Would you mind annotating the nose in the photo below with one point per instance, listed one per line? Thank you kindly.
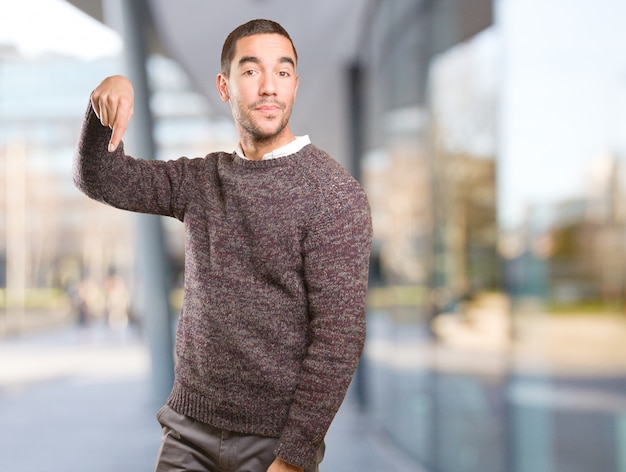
(267, 85)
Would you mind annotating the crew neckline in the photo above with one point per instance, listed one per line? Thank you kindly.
(288, 149)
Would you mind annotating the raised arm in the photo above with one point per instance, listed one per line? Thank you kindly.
(113, 101)
(104, 172)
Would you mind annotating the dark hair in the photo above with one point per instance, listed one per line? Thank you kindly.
(250, 28)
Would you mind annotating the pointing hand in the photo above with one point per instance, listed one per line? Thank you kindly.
(113, 101)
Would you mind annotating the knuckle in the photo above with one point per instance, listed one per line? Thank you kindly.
(125, 101)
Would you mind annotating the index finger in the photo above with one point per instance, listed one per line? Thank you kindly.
(119, 127)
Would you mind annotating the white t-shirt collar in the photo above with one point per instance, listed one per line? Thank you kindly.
(286, 150)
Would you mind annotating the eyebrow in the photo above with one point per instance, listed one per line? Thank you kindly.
(256, 60)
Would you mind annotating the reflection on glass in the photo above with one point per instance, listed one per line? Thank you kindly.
(497, 319)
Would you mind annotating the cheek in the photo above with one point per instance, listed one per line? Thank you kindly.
(289, 91)
(238, 106)
(238, 95)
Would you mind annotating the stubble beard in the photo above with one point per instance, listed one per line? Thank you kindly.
(254, 131)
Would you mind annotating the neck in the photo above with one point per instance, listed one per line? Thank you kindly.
(255, 149)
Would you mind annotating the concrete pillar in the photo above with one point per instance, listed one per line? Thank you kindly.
(127, 17)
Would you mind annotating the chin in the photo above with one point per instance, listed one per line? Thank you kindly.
(268, 134)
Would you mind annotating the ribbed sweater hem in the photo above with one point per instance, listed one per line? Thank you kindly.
(191, 403)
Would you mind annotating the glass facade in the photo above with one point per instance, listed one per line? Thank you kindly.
(494, 167)
(54, 242)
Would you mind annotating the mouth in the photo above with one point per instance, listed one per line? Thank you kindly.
(267, 107)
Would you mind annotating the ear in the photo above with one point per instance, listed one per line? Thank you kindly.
(222, 87)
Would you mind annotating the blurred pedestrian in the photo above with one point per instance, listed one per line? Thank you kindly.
(77, 294)
(278, 235)
(117, 302)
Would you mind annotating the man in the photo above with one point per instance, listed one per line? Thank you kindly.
(276, 258)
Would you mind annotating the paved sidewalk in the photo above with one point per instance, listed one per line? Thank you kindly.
(76, 401)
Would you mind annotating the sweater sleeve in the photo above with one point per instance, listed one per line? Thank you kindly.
(336, 262)
(140, 185)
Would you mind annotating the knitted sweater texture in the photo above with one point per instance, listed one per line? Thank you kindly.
(272, 322)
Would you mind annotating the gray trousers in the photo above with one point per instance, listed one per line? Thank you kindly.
(191, 446)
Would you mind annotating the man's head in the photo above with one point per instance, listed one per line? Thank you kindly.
(259, 80)
(248, 29)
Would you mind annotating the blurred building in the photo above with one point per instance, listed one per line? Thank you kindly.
(498, 241)
(52, 236)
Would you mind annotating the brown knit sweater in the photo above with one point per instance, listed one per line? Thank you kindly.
(276, 259)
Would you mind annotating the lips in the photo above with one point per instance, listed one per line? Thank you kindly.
(267, 107)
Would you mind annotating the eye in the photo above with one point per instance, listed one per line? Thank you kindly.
(250, 72)
(284, 73)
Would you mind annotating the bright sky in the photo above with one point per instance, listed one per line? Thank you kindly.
(36, 27)
(563, 97)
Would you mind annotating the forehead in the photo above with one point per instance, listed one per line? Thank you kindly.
(267, 47)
